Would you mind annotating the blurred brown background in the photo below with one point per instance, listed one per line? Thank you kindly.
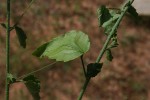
(127, 77)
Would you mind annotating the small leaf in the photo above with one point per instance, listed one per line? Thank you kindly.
(107, 18)
(65, 47)
(110, 23)
(103, 15)
(113, 44)
(109, 55)
(11, 78)
(93, 69)
(114, 11)
(21, 36)
(132, 11)
(3, 25)
(33, 85)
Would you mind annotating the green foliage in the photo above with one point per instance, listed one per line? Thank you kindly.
(69, 46)
(103, 15)
(3, 25)
(109, 55)
(33, 85)
(39, 51)
(132, 11)
(11, 78)
(21, 36)
(65, 47)
(93, 69)
(114, 43)
(107, 18)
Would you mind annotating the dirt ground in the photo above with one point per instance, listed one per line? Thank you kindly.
(127, 77)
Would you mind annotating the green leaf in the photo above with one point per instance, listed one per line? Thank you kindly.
(65, 47)
(33, 85)
(21, 36)
(103, 15)
(132, 11)
(109, 55)
(110, 23)
(3, 25)
(114, 11)
(113, 44)
(11, 78)
(93, 69)
(107, 18)
(39, 51)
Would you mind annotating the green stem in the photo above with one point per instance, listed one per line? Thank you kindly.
(113, 31)
(7, 49)
(83, 66)
(24, 13)
(35, 71)
(83, 89)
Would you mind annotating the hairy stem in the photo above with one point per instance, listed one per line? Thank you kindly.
(113, 31)
(7, 50)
